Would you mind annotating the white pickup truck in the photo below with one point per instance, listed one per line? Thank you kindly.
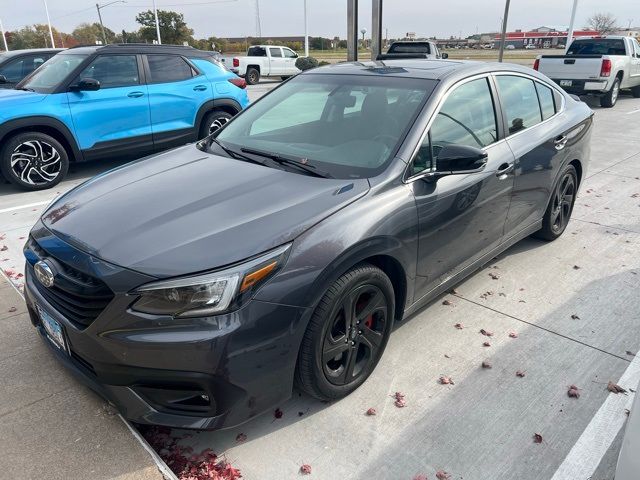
(265, 61)
(598, 66)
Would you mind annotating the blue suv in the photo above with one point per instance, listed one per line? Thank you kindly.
(122, 101)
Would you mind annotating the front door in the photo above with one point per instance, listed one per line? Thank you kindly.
(115, 118)
(277, 61)
(461, 217)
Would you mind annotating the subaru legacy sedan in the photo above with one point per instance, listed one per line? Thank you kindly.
(196, 288)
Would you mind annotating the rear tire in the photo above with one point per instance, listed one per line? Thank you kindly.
(558, 213)
(347, 334)
(252, 76)
(609, 99)
(33, 161)
(213, 122)
(635, 91)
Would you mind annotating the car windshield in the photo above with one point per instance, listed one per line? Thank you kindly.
(599, 46)
(54, 71)
(348, 126)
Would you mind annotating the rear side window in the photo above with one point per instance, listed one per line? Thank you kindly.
(547, 106)
(168, 68)
(520, 102)
(113, 71)
(275, 52)
(256, 52)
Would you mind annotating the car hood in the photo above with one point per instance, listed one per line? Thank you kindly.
(10, 97)
(186, 211)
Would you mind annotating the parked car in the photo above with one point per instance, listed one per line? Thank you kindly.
(265, 61)
(510, 47)
(596, 66)
(17, 64)
(123, 101)
(410, 49)
(530, 46)
(283, 248)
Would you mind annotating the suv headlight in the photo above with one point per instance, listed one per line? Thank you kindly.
(209, 293)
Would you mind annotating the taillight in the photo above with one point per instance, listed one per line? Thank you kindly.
(238, 82)
(236, 62)
(536, 64)
(605, 70)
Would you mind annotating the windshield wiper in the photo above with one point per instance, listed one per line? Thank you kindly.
(26, 89)
(276, 157)
(236, 155)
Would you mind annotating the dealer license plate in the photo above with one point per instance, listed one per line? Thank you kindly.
(53, 329)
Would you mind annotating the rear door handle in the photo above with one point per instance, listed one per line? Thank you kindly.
(135, 94)
(504, 169)
(200, 88)
(560, 141)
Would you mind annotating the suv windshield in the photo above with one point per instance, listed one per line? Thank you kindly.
(348, 126)
(52, 73)
(597, 46)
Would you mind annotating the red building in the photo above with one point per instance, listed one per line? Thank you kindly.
(542, 37)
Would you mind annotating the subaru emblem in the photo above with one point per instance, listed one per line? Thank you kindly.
(44, 273)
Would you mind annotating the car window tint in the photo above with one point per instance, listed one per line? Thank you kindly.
(600, 46)
(289, 53)
(467, 117)
(256, 52)
(113, 71)
(545, 95)
(13, 70)
(275, 52)
(520, 102)
(168, 68)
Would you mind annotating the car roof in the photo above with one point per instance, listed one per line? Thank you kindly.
(421, 68)
(15, 53)
(140, 48)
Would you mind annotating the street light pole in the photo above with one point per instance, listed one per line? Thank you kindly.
(104, 35)
(155, 13)
(306, 34)
(4, 39)
(46, 8)
(503, 35)
(570, 32)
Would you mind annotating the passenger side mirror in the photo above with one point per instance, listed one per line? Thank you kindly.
(445, 55)
(460, 159)
(86, 84)
(3, 79)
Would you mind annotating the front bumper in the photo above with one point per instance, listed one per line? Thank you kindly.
(204, 373)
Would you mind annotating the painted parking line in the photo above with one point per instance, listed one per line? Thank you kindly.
(634, 111)
(587, 453)
(28, 205)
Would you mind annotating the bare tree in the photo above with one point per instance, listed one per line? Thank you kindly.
(605, 23)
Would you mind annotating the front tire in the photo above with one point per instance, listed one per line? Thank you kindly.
(558, 213)
(609, 99)
(34, 161)
(347, 333)
(252, 76)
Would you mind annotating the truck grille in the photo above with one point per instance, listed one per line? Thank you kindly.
(77, 296)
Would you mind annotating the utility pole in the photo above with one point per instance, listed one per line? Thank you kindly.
(155, 13)
(376, 29)
(4, 39)
(352, 30)
(306, 32)
(46, 8)
(503, 35)
(570, 32)
(258, 23)
(104, 35)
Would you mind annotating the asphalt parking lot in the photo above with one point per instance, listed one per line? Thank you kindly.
(563, 313)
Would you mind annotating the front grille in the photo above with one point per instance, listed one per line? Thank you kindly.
(77, 296)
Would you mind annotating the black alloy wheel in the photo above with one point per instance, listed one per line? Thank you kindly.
(558, 213)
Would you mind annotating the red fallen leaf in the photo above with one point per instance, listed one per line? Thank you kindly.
(420, 477)
(537, 438)
(400, 401)
(486, 333)
(305, 469)
(494, 276)
(521, 289)
(630, 353)
(520, 373)
(615, 388)
(576, 267)
(446, 356)
(12, 309)
(3, 236)
(486, 344)
(5, 259)
(371, 411)
(575, 317)
(447, 302)
(573, 392)
(278, 413)
(241, 437)
(459, 326)
(522, 301)
(21, 238)
(4, 248)
(442, 475)
(513, 335)
(487, 364)
(444, 380)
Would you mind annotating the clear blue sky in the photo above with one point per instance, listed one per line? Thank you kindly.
(226, 18)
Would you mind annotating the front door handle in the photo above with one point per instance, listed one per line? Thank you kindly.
(135, 94)
(504, 169)
(200, 88)
(560, 142)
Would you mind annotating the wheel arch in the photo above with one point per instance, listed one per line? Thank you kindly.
(577, 164)
(225, 104)
(48, 126)
(256, 66)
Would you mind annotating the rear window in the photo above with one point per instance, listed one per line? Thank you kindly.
(597, 46)
(410, 48)
(256, 52)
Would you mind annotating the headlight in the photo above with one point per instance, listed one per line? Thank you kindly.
(210, 293)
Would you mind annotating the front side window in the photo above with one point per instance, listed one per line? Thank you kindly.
(13, 70)
(168, 68)
(545, 95)
(346, 125)
(113, 71)
(289, 53)
(520, 102)
(53, 72)
(467, 117)
(275, 52)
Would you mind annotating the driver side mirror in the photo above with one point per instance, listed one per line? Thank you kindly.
(459, 160)
(86, 84)
(3, 79)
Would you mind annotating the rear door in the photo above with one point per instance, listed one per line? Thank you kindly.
(176, 92)
(277, 60)
(115, 118)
